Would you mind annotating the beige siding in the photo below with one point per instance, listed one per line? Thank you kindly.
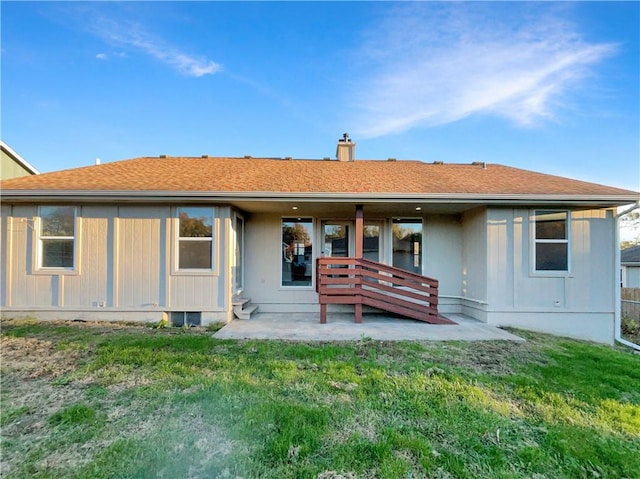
(474, 255)
(443, 257)
(124, 265)
(91, 286)
(195, 292)
(263, 265)
(141, 248)
(27, 289)
(5, 253)
(579, 303)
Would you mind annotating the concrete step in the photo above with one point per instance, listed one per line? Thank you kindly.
(240, 300)
(245, 311)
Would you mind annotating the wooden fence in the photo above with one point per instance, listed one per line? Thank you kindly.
(631, 303)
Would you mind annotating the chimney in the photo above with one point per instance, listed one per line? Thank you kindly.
(346, 150)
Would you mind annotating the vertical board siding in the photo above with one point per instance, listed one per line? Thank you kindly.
(514, 284)
(195, 293)
(443, 252)
(500, 256)
(124, 258)
(141, 254)
(6, 223)
(27, 289)
(90, 287)
(474, 255)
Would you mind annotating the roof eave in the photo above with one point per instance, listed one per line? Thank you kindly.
(162, 196)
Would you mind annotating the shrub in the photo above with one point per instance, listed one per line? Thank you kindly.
(630, 326)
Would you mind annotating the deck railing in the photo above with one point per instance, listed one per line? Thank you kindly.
(360, 281)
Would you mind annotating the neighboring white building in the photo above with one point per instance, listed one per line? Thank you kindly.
(134, 239)
(630, 264)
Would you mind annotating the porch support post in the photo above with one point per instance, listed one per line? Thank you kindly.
(359, 231)
(358, 252)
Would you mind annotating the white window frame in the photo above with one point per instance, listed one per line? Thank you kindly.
(213, 270)
(38, 244)
(314, 253)
(535, 241)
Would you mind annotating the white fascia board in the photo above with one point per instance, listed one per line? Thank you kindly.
(160, 196)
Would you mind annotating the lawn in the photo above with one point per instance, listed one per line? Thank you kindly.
(122, 401)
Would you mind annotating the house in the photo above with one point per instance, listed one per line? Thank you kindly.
(12, 165)
(630, 267)
(189, 237)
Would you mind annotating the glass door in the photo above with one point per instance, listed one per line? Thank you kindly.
(336, 239)
(371, 241)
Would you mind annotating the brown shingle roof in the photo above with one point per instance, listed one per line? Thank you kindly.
(245, 175)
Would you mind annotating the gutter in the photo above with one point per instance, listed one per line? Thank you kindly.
(311, 197)
(618, 294)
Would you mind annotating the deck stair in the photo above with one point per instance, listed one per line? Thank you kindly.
(360, 281)
(242, 307)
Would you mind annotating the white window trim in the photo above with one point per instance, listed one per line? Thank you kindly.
(215, 227)
(313, 256)
(36, 257)
(534, 241)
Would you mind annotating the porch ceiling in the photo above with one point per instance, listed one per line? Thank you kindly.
(347, 209)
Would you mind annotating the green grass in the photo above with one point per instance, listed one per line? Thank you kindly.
(100, 401)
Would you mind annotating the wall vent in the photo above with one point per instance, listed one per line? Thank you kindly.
(186, 318)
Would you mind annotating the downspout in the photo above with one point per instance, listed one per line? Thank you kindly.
(618, 296)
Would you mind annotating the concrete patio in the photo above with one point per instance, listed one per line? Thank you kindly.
(340, 327)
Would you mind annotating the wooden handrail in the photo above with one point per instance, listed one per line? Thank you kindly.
(360, 281)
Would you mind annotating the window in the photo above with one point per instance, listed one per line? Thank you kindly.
(297, 252)
(195, 238)
(407, 244)
(551, 232)
(57, 237)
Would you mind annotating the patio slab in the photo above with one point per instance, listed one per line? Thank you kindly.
(341, 327)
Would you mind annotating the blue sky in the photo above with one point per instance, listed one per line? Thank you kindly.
(551, 87)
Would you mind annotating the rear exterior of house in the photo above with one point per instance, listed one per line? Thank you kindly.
(138, 239)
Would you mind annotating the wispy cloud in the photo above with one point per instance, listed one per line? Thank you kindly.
(127, 34)
(430, 64)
